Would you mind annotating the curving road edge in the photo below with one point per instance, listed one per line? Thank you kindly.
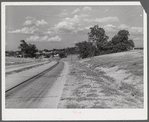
(54, 95)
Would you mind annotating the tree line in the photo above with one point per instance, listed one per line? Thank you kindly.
(29, 50)
(98, 43)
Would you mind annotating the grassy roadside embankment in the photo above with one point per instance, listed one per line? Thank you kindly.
(107, 81)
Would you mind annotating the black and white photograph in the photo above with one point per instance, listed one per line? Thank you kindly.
(74, 60)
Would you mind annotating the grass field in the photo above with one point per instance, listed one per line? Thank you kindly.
(107, 81)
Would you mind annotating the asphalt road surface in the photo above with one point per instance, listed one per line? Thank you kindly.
(37, 93)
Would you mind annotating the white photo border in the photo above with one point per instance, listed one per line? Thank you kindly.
(69, 114)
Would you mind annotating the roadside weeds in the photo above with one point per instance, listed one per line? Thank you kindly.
(110, 86)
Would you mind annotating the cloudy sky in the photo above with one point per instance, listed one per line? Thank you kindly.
(61, 26)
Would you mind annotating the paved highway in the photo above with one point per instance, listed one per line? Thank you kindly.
(43, 92)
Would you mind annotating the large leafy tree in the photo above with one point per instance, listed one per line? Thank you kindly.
(28, 50)
(85, 49)
(122, 42)
(97, 39)
(98, 43)
(97, 36)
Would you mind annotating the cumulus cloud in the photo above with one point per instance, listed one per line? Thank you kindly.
(75, 19)
(123, 26)
(83, 30)
(68, 24)
(71, 24)
(33, 38)
(110, 28)
(76, 11)
(28, 22)
(109, 25)
(132, 30)
(51, 31)
(44, 38)
(136, 30)
(56, 38)
(88, 27)
(32, 26)
(65, 25)
(33, 21)
(41, 22)
(25, 30)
